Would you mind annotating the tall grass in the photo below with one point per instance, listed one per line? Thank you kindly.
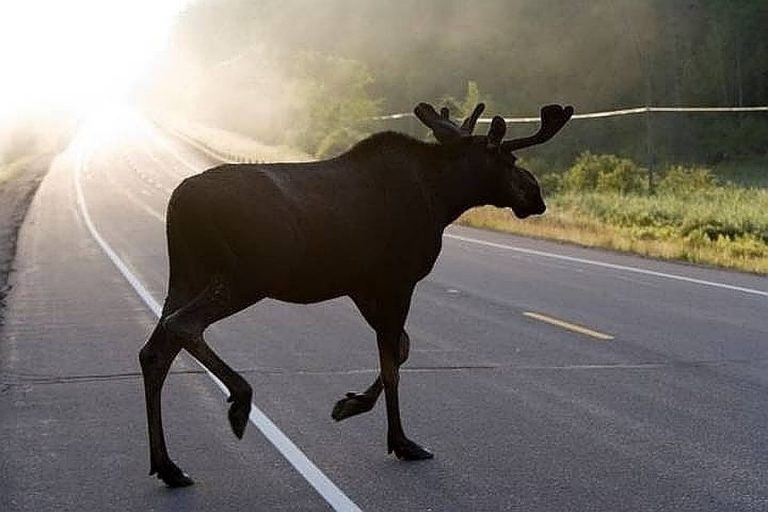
(725, 226)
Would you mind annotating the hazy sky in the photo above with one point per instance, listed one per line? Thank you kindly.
(77, 54)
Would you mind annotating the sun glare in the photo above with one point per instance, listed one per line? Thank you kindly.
(78, 55)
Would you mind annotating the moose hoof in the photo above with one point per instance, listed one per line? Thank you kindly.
(408, 450)
(351, 405)
(173, 476)
(238, 415)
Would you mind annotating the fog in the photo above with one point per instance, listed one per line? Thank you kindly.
(312, 74)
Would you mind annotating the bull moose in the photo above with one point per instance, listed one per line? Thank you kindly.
(367, 224)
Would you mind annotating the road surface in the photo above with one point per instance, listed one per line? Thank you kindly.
(543, 376)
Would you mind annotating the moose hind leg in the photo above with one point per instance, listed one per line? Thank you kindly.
(357, 403)
(155, 359)
(189, 322)
(239, 389)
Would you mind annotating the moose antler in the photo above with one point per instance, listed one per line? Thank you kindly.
(441, 125)
(553, 118)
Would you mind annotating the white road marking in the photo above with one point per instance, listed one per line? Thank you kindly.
(334, 496)
(613, 266)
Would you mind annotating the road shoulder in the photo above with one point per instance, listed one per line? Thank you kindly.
(16, 194)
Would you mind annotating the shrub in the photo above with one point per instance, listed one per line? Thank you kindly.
(462, 108)
(336, 106)
(604, 173)
(583, 175)
(686, 180)
(625, 178)
(550, 183)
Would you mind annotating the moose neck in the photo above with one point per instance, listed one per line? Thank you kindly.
(450, 182)
(456, 184)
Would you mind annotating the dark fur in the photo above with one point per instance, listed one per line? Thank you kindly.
(367, 224)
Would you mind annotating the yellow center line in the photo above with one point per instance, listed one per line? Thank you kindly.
(568, 325)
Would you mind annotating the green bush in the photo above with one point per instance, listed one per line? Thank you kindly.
(551, 183)
(686, 180)
(336, 103)
(604, 173)
(460, 109)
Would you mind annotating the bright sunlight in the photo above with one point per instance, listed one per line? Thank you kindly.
(80, 55)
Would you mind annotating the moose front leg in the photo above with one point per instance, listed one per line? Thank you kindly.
(386, 313)
(358, 403)
(388, 320)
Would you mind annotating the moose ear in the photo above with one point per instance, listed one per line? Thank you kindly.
(497, 131)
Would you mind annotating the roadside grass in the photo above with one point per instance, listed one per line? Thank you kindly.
(11, 170)
(724, 226)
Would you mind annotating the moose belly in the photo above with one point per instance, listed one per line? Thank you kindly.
(316, 279)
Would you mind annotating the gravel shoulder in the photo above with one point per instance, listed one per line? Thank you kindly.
(16, 192)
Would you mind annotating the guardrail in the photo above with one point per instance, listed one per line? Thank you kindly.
(597, 115)
(228, 147)
(224, 156)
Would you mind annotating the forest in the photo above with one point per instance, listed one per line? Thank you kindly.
(312, 75)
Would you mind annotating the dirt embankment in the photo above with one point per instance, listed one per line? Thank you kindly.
(16, 192)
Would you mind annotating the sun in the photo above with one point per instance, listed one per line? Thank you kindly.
(78, 55)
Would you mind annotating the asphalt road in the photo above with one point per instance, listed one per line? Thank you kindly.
(658, 402)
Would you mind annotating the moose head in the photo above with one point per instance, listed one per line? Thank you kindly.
(513, 186)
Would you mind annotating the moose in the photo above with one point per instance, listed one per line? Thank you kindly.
(367, 224)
